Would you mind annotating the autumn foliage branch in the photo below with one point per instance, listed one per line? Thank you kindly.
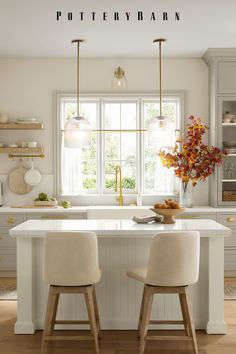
(190, 158)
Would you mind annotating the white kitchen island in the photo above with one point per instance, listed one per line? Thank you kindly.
(122, 245)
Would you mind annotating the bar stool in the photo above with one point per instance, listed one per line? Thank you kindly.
(173, 266)
(71, 267)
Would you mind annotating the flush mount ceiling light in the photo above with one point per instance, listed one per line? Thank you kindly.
(158, 124)
(77, 130)
(119, 81)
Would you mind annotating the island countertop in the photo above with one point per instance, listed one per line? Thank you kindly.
(118, 227)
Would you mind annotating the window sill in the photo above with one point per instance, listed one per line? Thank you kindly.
(110, 199)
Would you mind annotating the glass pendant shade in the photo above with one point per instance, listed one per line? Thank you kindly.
(119, 82)
(157, 131)
(77, 133)
(77, 130)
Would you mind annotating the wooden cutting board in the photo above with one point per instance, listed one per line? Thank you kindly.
(16, 181)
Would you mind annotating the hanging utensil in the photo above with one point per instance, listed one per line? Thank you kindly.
(32, 177)
(16, 182)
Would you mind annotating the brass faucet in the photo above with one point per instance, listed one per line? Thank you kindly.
(120, 198)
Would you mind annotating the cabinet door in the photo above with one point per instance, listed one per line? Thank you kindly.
(7, 261)
(11, 220)
(227, 77)
(7, 242)
(189, 215)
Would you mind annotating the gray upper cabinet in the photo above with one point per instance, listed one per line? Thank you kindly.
(226, 77)
(222, 107)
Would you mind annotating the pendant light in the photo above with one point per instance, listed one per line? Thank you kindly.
(119, 82)
(158, 125)
(77, 130)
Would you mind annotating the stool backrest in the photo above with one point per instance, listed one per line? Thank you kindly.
(71, 259)
(174, 259)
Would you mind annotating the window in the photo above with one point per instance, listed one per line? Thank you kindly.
(91, 171)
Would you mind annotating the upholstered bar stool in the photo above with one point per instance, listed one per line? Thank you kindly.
(71, 266)
(173, 266)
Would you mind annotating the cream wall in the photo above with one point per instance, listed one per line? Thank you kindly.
(27, 87)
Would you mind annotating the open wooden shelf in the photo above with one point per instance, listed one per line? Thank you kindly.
(20, 150)
(16, 126)
(228, 180)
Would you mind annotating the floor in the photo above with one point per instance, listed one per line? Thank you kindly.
(113, 342)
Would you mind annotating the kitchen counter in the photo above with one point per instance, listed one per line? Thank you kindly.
(75, 209)
(122, 245)
(85, 209)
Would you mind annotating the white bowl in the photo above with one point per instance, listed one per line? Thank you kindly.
(32, 144)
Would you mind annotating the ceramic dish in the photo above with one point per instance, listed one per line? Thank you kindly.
(230, 144)
(13, 145)
(168, 214)
(229, 116)
(26, 119)
(32, 144)
(27, 122)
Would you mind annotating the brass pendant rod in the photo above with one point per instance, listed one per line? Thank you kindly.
(78, 79)
(160, 78)
(78, 41)
(160, 41)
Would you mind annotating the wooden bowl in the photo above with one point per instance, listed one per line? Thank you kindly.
(168, 214)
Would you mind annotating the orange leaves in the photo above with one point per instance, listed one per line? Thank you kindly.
(191, 159)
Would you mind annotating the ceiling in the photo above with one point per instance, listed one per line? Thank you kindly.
(28, 28)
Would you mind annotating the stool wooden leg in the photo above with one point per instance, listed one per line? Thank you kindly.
(190, 320)
(141, 313)
(50, 317)
(92, 318)
(96, 312)
(183, 309)
(147, 307)
(55, 306)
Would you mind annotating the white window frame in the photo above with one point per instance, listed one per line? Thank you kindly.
(109, 197)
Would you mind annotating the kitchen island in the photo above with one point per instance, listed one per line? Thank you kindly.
(122, 245)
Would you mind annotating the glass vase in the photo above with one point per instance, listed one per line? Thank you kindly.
(186, 195)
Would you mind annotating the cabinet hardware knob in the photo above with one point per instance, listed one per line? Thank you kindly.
(230, 219)
(11, 221)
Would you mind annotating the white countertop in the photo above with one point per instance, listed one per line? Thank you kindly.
(74, 209)
(84, 209)
(121, 227)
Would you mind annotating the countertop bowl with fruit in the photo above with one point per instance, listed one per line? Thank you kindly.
(44, 201)
(169, 209)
